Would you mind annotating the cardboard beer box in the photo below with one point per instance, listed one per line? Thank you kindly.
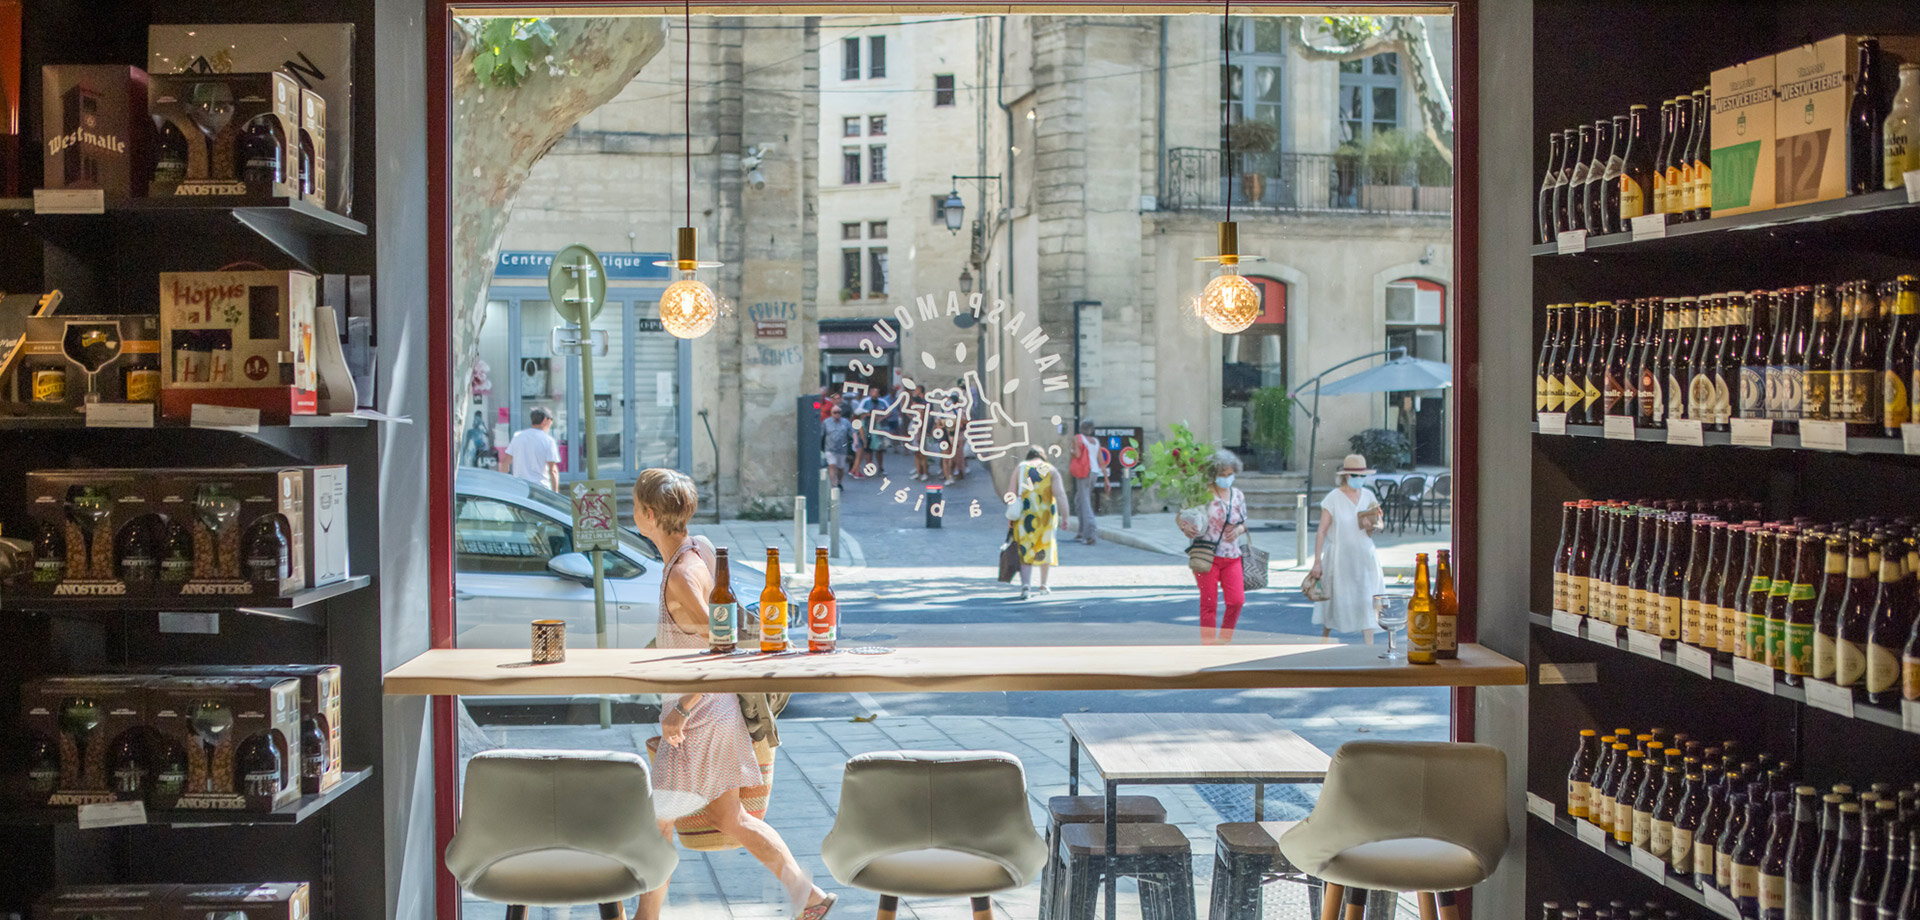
(326, 525)
(320, 763)
(108, 902)
(1742, 133)
(67, 362)
(241, 736)
(313, 147)
(105, 533)
(239, 133)
(239, 339)
(1810, 115)
(14, 310)
(94, 129)
(247, 527)
(243, 901)
(86, 739)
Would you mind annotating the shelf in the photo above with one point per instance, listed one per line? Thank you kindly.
(1863, 712)
(1852, 214)
(300, 607)
(305, 807)
(1781, 441)
(289, 224)
(79, 423)
(1621, 855)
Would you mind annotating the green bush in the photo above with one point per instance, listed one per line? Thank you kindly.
(1272, 412)
(1179, 468)
(1384, 448)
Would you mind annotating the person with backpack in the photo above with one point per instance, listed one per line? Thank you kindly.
(1086, 458)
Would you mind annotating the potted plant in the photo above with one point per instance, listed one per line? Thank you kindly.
(1391, 158)
(1180, 469)
(1246, 141)
(1385, 448)
(1272, 412)
(849, 294)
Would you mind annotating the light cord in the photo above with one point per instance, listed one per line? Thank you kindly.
(686, 100)
(1226, 137)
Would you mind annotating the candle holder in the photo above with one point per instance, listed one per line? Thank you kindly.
(549, 641)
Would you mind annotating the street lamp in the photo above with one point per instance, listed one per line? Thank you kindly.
(955, 211)
(966, 280)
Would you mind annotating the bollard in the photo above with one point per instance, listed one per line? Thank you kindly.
(833, 508)
(821, 497)
(1126, 499)
(799, 530)
(1300, 529)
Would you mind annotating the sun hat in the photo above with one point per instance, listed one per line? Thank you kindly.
(1355, 465)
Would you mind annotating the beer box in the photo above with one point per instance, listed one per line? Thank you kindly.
(95, 132)
(313, 147)
(1741, 127)
(320, 766)
(109, 532)
(239, 132)
(225, 563)
(241, 339)
(108, 902)
(1810, 115)
(73, 726)
(68, 361)
(243, 901)
(326, 525)
(241, 735)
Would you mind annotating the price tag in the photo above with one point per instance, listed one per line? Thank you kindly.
(1643, 643)
(1753, 674)
(1650, 227)
(112, 814)
(1648, 864)
(1910, 715)
(1830, 697)
(1695, 659)
(1685, 431)
(1910, 438)
(1823, 435)
(193, 624)
(69, 201)
(1577, 673)
(1720, 904)
(1539, 807)
(1619, 427)
(1571, 242)
(225, 418)
(1913, 185)
(1753, 432)
(1590, 834)
(1567, 623)
(120, 415)
(1553, 423)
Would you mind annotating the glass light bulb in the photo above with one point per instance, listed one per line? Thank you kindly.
(688, 308)
(1230, 303)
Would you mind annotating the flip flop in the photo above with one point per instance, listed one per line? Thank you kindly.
(818, 910)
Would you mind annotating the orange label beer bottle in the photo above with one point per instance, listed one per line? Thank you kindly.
(823, 614)
(773, 608)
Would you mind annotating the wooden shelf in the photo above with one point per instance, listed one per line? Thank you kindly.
(1781, 441)
(305, 807)
(506, 672)
(300, 607)
(1623, 856)
(1854, 214)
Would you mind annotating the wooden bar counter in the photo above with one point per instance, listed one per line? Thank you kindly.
(507, 672)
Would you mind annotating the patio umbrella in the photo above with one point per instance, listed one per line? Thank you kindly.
(1401, 373)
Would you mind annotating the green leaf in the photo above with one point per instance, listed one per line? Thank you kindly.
(517, 57)
(483, 64)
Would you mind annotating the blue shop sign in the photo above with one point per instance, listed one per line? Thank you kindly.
(621, 266)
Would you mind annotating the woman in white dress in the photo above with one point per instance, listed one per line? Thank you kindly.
(1343, 556)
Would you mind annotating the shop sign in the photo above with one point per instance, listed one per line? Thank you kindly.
(770, 329)
(621, 266)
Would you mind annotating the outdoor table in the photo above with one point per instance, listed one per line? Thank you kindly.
(1183, 749)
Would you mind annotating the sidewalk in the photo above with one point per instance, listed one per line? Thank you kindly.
(1160, 534)
(752, 539)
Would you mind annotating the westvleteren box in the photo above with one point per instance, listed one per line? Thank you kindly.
(320, 760)
(94, 129)
(86, 739)
(240, 339)
(241, 735)
(1810, 117)
(67, 362)
(1743, 137)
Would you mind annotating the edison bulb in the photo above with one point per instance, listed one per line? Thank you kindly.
(1230, 303)
(688, 307)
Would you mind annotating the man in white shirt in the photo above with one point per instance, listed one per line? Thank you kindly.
(532, 455)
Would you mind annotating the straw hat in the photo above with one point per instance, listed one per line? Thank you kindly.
(1355, 465)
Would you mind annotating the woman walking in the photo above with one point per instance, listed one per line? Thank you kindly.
(1036, 486)
(706, 754)
(1343, 556)
(1226, 522)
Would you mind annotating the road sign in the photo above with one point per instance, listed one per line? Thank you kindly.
(577, 284)
(596, 519)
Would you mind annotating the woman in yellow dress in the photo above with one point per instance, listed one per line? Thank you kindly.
(1036, 486)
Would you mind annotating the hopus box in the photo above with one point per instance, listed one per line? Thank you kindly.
(1815, 85)
(240, 339)
(1742, 130)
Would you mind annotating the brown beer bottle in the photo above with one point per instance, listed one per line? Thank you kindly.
(1420, 614)
(1850, 647)
(773, 608)
(1887, 629)
(723, 610)
(823, 612)
(1822, 347)
(1580, 774)
(1826, 611)
(1903, 335)
(1446, 611)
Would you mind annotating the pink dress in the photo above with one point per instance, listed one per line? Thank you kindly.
(717, 753)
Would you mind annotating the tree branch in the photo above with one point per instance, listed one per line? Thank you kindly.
(1407, 37)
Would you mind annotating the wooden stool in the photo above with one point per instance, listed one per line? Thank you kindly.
(1157, 855)
(1086, 809)
(1246, 856)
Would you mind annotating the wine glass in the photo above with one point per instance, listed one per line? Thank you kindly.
(211, 720)
(79, 716)
(216, 508)
(1390, 611)
(88, 506)
(92, 346)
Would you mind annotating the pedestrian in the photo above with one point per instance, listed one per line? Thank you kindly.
(864, 418)
(927, 435)
(533, 455)
(1086, 460)
(1225, 522)
(836, 436)
(706, 751)
(1343, 553)
(1036, 486)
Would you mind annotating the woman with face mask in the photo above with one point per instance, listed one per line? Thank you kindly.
(1226, 522)
(1343, 556)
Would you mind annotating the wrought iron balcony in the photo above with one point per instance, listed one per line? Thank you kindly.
(1197, 180)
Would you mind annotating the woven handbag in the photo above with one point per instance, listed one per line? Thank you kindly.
(1253, 565)
(697, 831)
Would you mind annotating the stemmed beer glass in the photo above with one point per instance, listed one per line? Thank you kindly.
(1390, 611)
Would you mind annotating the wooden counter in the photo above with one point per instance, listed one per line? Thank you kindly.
(506, 672)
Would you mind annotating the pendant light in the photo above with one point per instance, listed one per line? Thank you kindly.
(688, 308)
(1230, 303)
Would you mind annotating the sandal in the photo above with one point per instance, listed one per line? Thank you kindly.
(818, 909)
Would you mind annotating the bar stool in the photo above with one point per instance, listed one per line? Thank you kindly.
(1157, 855)
(1429, 817)
(1086, 809)
(558, 828)
(934, 824)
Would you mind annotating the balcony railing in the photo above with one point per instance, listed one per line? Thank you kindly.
(1197, 180)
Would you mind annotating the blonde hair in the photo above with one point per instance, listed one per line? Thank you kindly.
(669, 496)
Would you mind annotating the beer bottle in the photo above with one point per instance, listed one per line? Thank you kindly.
(1636, 177)
(49, 553)
(1617, 396)
(1773, 859)
(1594, 362)
(1563, 556)
(1663, 159)
(1830, 820)
(1693, 583)
(1867, 351)
(177, 553)
(137, 552)
(1563, 183)
(823, 612)
(127, 767)
(1632, 776)
(1822, 353)
(1719, 543)
(1702, 155)
(1727, 843)
(1802, 599)
(1856, 613)
(1779, 597)
(773, 608)
(1910, 664)
(1762, 310)
(723, 610)
(1642, 590)
(1863, 897)
(1579, 565)
(1601, 601)
(1865, 119)
(1572, 374)
(1623, 566)
(261, 148)
(1903, 336)
(1600, 795)
(1557, 358)
(1680, 366)
(1420, 613)
(1594, 195)
(1673, 580)
(1653, 412)
(1888, 626)
(1446, 610)
(1900, 132)
(1543, 206)
(1706, 838)
(1686, 820)
(1752, 644)
(1705, 362)
(1793, 400)
(1736, 316)
(1580, 775)
(1893, 884)
(1826, 614)
(1801, 846)
(1662, 364)
(1609, 193)
(1733, 589)
(1575, 205)
(259, 771)
(1666, 807)
(1680, 167)
(314, 754)
(1909, 906)
(1542, 364)
(169, 774)
(1645, 798)
(1748, 853)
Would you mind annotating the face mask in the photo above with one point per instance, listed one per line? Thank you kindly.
(1224, 482)
(1356, 481)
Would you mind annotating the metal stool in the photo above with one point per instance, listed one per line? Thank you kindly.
(1086, 809)
(1157, 855)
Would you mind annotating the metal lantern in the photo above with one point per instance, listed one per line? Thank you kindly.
(1230, 303)
(954, 210)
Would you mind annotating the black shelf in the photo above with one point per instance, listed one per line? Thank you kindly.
(1855, 445)
(1858, 212)
(305, 807)
(300, 607)
(289, 224)
(1862, 712)
(79, 423)
(1621, 855)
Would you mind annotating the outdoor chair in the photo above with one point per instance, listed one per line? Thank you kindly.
(1410, 495)
(1439, 499)
(559, 828)
(1420, 816)
(1157, 856)
(1388, 491)
(934, 824)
